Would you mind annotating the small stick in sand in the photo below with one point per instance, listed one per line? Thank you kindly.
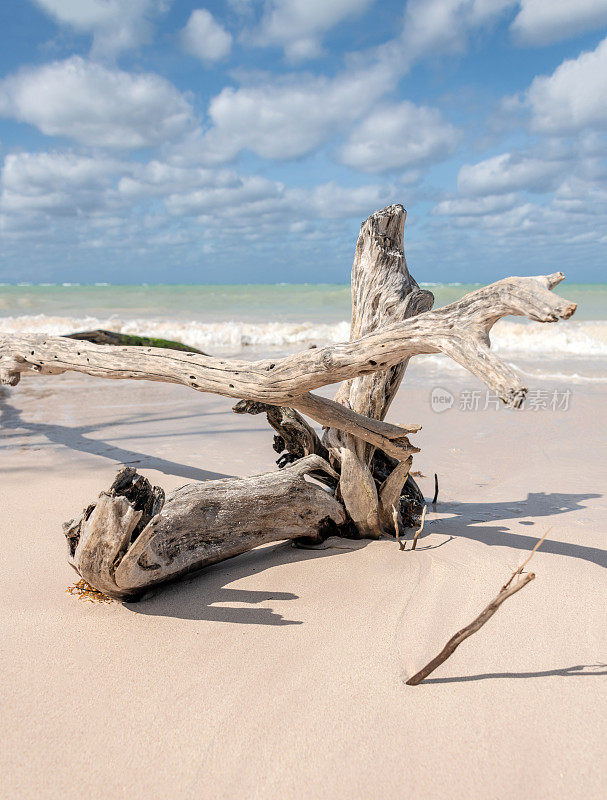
(505, 592)
(526, 561)
(396, 518)
(419, 530)
(435, 498)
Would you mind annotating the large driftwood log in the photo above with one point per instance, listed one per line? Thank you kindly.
(130, 538)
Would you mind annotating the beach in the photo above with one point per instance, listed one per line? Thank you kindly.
(281, 673)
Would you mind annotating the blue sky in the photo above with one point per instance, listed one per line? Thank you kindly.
(245, 141)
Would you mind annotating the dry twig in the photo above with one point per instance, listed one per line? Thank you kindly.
(419, 530)
(396, 518)
(526, 561)
(505, 592)
(435, 498)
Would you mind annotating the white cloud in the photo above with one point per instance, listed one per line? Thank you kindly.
(331, 201)
(401, 135)
(543, 21)
(478, 206)
(58, 184)
(509, 172)
(114, 24)
(298, 25)
(289, 118)
(246, 196)
(579, 196)
(205, 38)
(574, 97)
(253, 197)
(108, 194)
(432, 26)
(158, 179)
(95, 105)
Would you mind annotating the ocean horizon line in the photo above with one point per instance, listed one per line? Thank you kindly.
(106, 284)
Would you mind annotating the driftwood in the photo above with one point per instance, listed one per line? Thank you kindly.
(454, 642)
(127, 541)
(131, 538)
(383, 293)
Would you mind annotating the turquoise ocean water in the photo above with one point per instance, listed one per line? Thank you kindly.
(234, 318)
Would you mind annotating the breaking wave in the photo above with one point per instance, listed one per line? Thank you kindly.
(232, 335)
(587, 338)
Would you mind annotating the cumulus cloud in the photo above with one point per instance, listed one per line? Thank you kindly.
(298, 25)
(115, 25)
(509, 172)
(255, 197)
(58, 184)
(246, 196)
(95, 105)
(432, 26)
(402, 135)
(107, 194)
(478, 206)
(159, 178)
(331, 201)
(204, 38)
(289, 118)
(544, 21)
(574, 97)
(578, 195)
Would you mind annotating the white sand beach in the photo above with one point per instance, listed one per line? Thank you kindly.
(281, 673)
(204, 205)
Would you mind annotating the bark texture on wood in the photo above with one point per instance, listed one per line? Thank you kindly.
(120, 552)
(383, 292)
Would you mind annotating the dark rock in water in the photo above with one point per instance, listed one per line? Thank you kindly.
(111, 337)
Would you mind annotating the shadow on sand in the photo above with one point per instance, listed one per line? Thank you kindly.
(12, 423)
(465, 518)
(197, 597)
(203, 595)
(577, 671)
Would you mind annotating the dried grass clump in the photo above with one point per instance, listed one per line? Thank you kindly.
(84, 591)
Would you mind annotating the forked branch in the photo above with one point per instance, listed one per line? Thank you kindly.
(460, 330)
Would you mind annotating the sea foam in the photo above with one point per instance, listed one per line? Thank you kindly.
(586, 338)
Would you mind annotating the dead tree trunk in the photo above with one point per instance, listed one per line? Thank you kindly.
(383, 292)
(131, 538)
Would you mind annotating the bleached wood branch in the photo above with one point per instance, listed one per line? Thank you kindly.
(383, 292)
(131, 539)
(460, 330)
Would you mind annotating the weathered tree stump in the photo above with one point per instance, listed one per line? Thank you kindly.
(350, 482)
